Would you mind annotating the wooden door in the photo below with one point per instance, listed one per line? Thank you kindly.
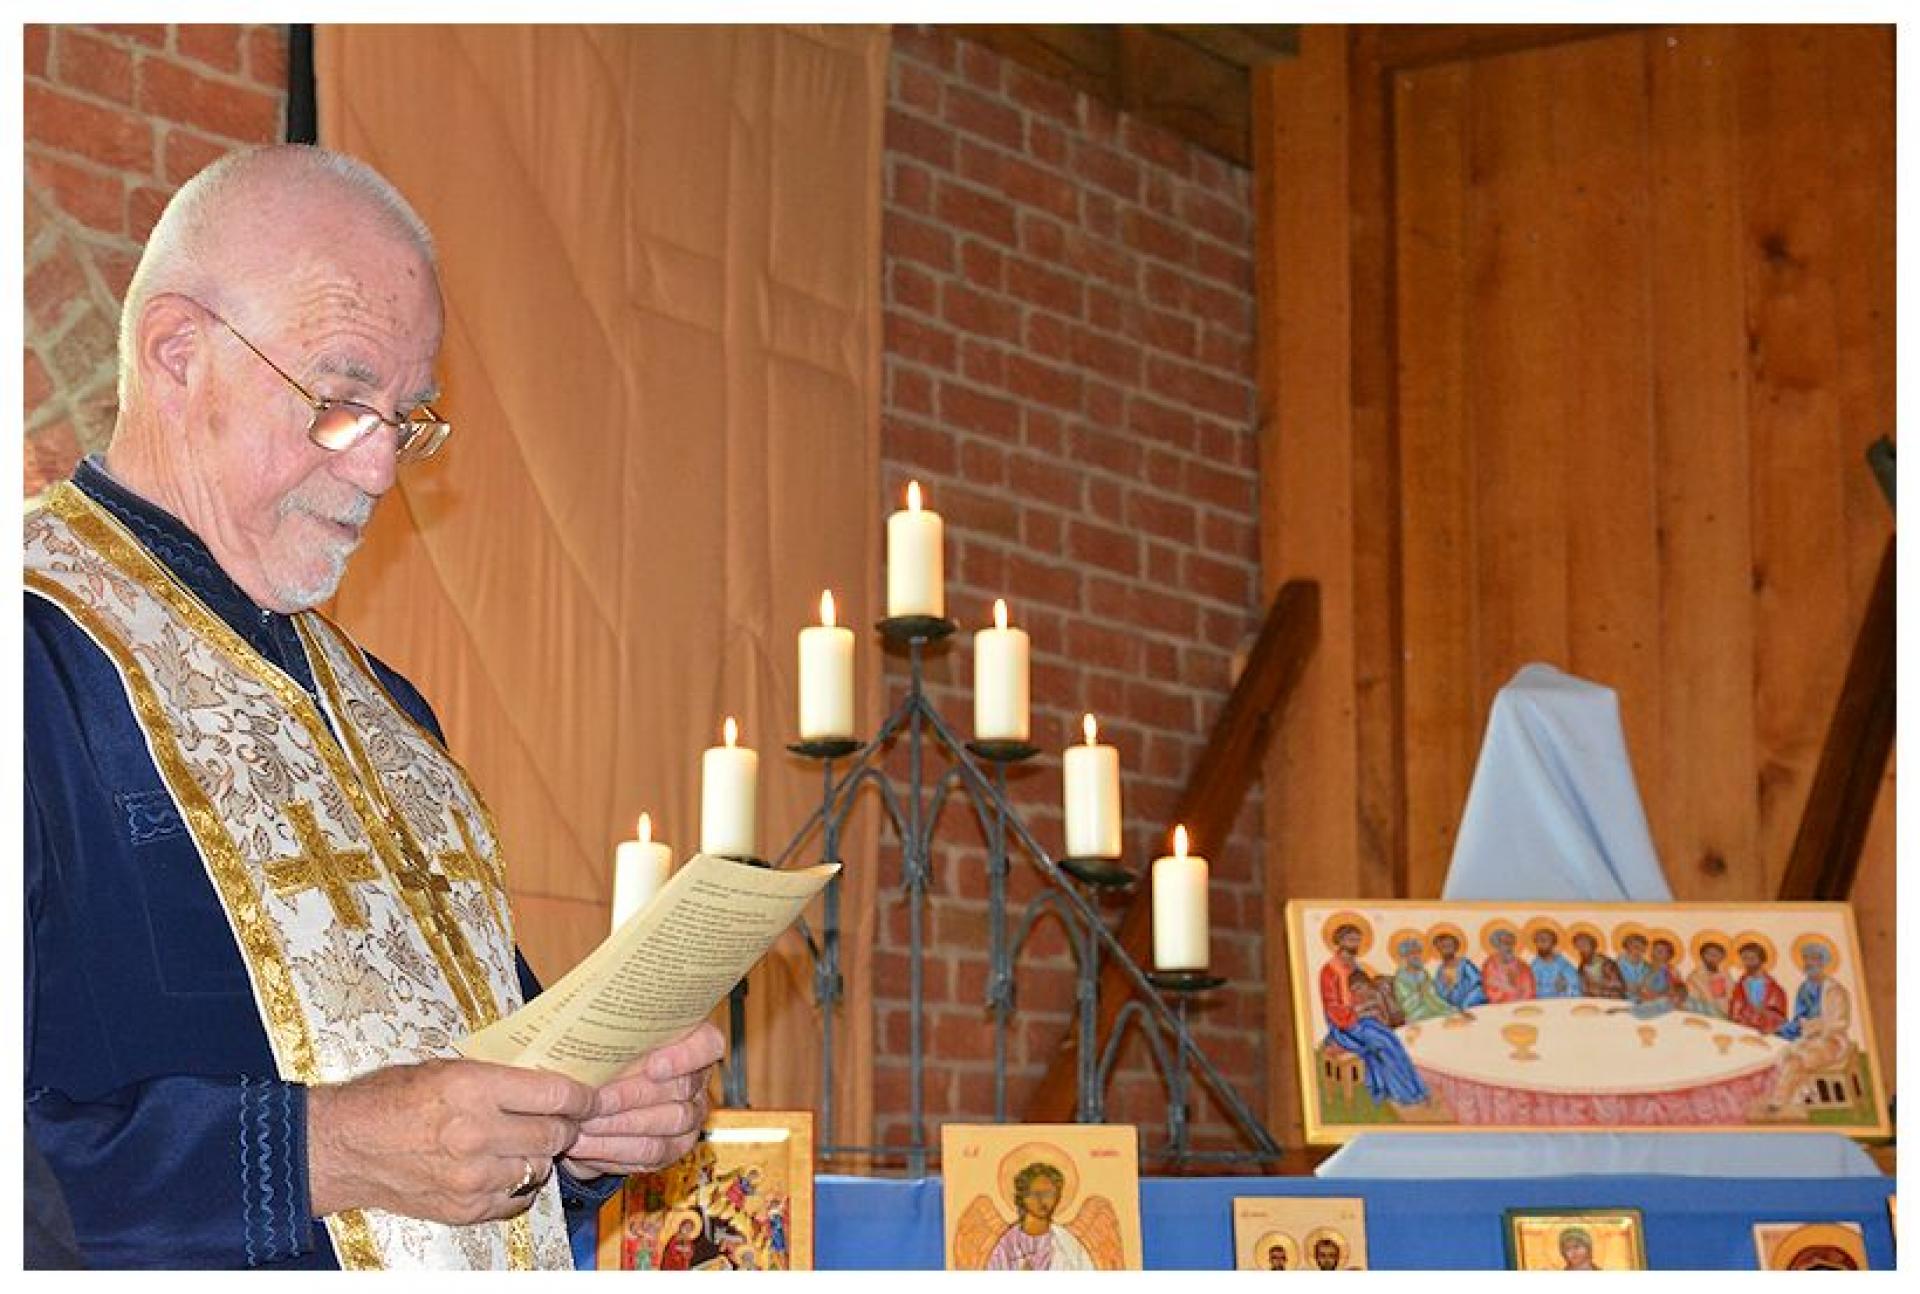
(1573, 344)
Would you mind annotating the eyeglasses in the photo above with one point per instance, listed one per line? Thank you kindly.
(339, 425)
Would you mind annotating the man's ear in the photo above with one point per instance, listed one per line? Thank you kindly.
(166, 339)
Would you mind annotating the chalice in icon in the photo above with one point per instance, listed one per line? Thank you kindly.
(1521, 1038)
(1721, 1042)
(1647, 1034)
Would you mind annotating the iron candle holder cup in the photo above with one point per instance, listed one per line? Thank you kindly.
(1103, 872)
(916, 629)
(1185, 981)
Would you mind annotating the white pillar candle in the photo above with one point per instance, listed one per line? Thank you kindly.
(1090, 776)
(1180, 908)
(729, 779)
(1000, 680)
(640, 868)
(916, 560)
(826, 678)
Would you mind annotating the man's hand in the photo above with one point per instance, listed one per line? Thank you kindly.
(446, 1140)
(651, 1114)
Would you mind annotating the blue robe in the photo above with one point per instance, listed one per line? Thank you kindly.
(1555, 976)
(1390, 1072)
(1806, 1007)
(150, 1085)
(1633, 974)
(1466, 991)
(1658, 981)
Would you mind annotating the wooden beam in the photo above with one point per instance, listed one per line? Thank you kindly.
(1208, 807)
(1826, 849)
(1245, 45)
(1409, 45)
(1182, 87)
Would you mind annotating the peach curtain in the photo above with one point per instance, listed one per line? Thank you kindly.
(659, 250)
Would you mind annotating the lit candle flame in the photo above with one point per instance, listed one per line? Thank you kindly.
(646, 828)
(1179, 842)
(826, 607)
(913, 496)
(1090, 728)
(999, 613)
(730, 731)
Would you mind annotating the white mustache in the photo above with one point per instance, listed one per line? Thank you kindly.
(354, 512)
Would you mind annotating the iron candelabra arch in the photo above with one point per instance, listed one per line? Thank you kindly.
(1160, 1002)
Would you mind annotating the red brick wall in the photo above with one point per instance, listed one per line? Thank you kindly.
(115, 118)
(1069, 372)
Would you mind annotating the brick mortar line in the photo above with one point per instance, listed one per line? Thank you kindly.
(974, 386)
(1028, 307)
(1079, 181)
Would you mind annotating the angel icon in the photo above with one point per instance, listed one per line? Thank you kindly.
(1047, 1233)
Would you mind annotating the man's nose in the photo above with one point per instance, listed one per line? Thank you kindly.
(371, 463)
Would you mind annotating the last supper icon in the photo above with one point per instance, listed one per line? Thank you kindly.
(1695, 1017)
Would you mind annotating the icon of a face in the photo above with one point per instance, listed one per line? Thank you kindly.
(1544, 941)
(1711, 956)
(1752, 957)
(1347, 940)
(1447, 946)
(1586, 945)
(1277, 1258)
(1635, 946)
(1814, 960)
(1503, 942)
(1576, 1249)
(1326, 1254)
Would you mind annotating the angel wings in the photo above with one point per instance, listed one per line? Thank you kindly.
(1094, 1230)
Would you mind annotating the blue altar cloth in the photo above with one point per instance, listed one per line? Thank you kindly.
(1692, 1223)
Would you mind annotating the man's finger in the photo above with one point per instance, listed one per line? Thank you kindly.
(537, 1091)
(671, 1120)
(696, 1050)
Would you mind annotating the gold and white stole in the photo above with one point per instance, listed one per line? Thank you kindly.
(362, 877)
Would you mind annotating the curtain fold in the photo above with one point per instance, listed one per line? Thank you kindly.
(659, 250)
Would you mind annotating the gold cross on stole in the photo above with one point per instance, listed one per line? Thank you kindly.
(428, 894)
(469, 864)
(319, 866)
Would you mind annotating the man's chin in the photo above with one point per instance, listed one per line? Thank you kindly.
(305, 589)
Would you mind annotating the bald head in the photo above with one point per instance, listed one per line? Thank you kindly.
(251, 216)
(275, 279)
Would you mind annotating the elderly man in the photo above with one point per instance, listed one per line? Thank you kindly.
(263, 903)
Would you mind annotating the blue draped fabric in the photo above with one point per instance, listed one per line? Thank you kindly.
(1806, 1006)
(150, 1085)
(1555, 976)
(1466, 991)
(1390, 1072)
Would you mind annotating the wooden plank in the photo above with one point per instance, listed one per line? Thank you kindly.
(1515, 369)
(1853, 761)
(1301, 258)
(1412, 45)
(1799, 458)
(1207, 807)
(1860, 112)
(1433, 328)
(1860, 125)
(1378, 703)
(1706, 824)
(1612, 595)
(1182, 87)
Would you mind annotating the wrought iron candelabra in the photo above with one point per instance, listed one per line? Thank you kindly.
(978, 771)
